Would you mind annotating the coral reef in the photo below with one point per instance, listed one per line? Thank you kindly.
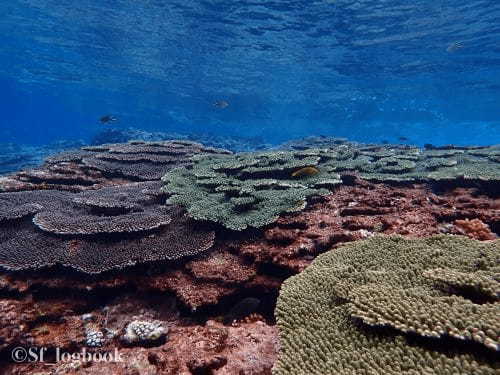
(314, 142)
(246, 190)
(475, 228)
(405, 163)
(235, 264)
(401, 163)
(252, 190)
(191, 347)
(232, 143)
(196, 284)
(92, 167)
(70, 229)
(364, 209)
(374, 307)
(100, 209)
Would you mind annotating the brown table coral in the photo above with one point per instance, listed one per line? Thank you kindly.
(93, 167)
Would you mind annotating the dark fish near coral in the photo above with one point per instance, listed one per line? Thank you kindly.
(403, 139)
(306, 171)
(242, 309)
(107, 119)
(221, 104)
(385, 142)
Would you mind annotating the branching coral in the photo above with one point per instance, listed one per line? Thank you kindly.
(475, 228)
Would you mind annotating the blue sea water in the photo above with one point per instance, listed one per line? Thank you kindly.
(368, 70)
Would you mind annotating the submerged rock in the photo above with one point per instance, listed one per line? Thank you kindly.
(232, 143)
(242, 309)
(15, 157)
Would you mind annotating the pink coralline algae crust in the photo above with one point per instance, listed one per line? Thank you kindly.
(32, 322)
(352, 213)
(475, 228)
(249, 347)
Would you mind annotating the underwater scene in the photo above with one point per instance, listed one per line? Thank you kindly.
(250, 187)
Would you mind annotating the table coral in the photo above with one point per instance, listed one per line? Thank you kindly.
(252, 190)
(369, 307)
(246, 190)
(92, 167)
(96, 231)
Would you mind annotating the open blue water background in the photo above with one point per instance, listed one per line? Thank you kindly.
(369, 70)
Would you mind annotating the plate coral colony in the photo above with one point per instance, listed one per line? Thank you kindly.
(321, 256)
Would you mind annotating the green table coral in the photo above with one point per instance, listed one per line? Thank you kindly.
(246, 190)
(390, 305)
(253, 189)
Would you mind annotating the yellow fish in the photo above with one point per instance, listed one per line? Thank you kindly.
(306, 171)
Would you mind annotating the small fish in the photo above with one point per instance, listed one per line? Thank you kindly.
(429, 146)
(454, 47)
(221, 104)
(403, 139)
(306, 171)
(242, 309)
(385, 142)
(107, 119)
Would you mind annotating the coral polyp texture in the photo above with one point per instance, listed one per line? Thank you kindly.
(92, 167)
(405, 163)
(246, 190)
(389, 305)
(140, 331)
(95, 231)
